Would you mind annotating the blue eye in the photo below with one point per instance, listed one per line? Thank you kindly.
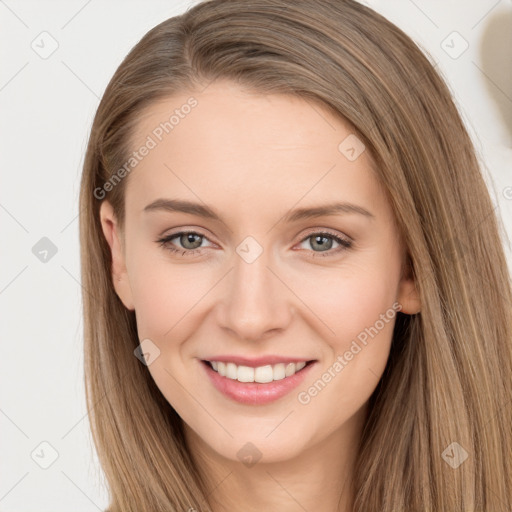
(191, 242)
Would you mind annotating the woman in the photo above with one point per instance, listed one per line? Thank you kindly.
(296, 296)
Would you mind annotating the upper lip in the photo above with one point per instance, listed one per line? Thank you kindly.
(254, 362)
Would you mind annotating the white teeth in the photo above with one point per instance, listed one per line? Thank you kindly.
(279, 372)
(264, 374)
(245, 373)
(290, 369)
(231, 371)
(261, 374)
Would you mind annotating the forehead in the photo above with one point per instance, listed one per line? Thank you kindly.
(226, 145)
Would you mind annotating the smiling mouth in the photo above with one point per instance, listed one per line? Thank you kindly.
(260, 374)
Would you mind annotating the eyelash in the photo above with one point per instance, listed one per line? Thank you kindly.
(344, 243)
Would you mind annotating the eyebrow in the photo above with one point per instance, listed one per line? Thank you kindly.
(202, 210)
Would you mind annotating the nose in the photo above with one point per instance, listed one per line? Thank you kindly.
(256, 300)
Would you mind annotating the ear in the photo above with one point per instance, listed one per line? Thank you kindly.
(408, 295)
(112, 233)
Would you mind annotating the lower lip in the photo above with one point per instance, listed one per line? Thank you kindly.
(255, 393)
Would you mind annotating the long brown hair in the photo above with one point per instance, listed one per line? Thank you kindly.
(448, 377)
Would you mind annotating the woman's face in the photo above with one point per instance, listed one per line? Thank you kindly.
(267, 278)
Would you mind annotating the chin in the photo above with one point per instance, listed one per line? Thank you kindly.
(256, 446)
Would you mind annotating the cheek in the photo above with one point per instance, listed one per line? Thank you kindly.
(165, 294)
(156, 299)
(358, 304)
(348, 299)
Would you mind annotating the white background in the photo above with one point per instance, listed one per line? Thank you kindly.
(47, 107)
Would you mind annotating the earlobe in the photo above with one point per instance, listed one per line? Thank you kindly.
(119, 273)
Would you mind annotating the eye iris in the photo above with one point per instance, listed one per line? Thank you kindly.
(186, 238)
(323, 246)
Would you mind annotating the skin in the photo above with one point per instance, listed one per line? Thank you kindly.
(253, 158)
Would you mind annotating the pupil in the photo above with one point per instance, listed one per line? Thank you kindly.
(189, 237)
(322, 245)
